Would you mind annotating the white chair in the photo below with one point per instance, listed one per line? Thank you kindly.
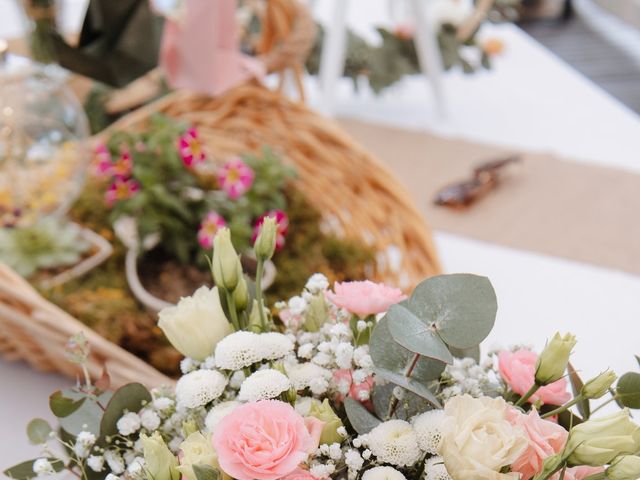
(334, 49)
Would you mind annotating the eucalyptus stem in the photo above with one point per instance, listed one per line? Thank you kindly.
(231, 304)
(563, 408)
(393, 404)
(87, 377)
(259, 274)
(534, 388)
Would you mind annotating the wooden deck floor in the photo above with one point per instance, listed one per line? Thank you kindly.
(592, 55)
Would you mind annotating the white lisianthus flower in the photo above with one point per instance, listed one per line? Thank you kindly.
(238, 350)
(114, 461)
(129, 423)
(263, 385)
(383, 473)
(303, 374)
(199, 388)
(428, 430)
(149, 420)
(394, 442)
(217, 413)
(42, 467)
(434, 469)
(196, 324)
(477, 439)
(275, 345)
(96, 463)
(317, 283)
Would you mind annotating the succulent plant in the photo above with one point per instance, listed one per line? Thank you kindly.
(49, 243)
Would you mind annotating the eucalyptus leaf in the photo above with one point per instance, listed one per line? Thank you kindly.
(462, 306)
(360, 418)
(415, 335)
(628, 390)
(473, 352)
(386, 353)
(129, 398)
(38, 431)
(63, 406)
(576, 386)
(410, 384)
(24, 470)
(205, 472)
(410, 405)
(87, 417)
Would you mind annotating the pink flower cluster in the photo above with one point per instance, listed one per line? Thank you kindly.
(364, 298)
(266, 440)
(190, 148)
(235, 178)
(358, 391)
(122, 185)
(518, 369)
(546, 438)
(282, 221)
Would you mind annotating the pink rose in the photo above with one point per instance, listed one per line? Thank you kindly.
(345, 376)
(578, 473)
(299, 474)
(518, 369)
(364, 298)
(545, 439)
(263, 440)
(314, 427)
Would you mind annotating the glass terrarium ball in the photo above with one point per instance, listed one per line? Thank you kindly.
(43, 129)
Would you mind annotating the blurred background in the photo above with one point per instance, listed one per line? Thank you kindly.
(553, 83)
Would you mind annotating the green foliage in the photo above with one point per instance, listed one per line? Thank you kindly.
(129, 398)
(62, 406)
(49, 243)
(360, 418)
(38, 431)
(628, 390)
(577, 385)
(446, 315)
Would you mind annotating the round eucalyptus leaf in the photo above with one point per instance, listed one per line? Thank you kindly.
(628, 389)
(408, 407)
(410, 384)
(130, 397)
(361, 419)
(473, 352)
(415, 335)
(38, 431)
(462, 306)
(387, 354)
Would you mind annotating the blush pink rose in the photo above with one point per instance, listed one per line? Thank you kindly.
(364, 298)
(518, 369)
(314, 427)
(299, 474)
(578, 473)
(545, 439)
(264, 440)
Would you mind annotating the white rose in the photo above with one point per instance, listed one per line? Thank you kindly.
(196, 324)
(477, 440)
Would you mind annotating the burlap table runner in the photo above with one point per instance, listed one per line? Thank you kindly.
(548, 205)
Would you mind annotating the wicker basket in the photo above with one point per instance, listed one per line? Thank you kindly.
(357, 196)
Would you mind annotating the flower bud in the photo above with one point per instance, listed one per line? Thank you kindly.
(196, 324)
(196, 450)
(265, 244)
(225, 264)
(160, 463)
(624, 467)
(597, 387)
(241, 295)
(553, 360)
(316, 313)
(324, 412)
(597, 442)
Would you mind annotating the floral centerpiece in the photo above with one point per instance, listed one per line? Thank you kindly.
(357, 381)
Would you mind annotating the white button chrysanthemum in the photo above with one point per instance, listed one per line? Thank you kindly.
(427, 429)
(217, 413)
(394, 442)
(199, 388)
(303, 374)
(263, 385)
(275, 345)
(239, 350)
(383, 473)
(434, 469)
